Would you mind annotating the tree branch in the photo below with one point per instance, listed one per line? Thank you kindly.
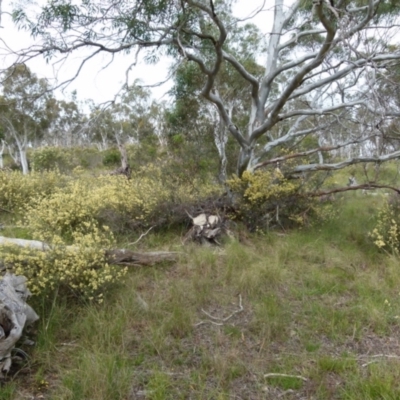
(346, 163)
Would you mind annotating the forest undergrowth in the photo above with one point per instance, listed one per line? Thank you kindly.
(306, 313)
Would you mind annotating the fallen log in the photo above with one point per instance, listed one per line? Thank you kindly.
(132, 258)
(123, 257)
(15, 315)
(32, 244)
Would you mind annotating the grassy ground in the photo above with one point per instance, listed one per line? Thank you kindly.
(320, 306)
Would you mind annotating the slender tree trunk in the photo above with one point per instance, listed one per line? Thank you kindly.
(220, 140)
(3, 146)
(24, 161)
(320, 155)
(22, 153)
(124, 155)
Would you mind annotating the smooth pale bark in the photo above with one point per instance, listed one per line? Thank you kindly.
(21, 142)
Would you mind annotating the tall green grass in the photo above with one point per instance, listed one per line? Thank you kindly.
(321, 302)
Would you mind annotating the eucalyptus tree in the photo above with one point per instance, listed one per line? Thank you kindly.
(25, 114)
(127, 120)
(156, 117)
(318, 61)
(195, 114)
(68, 125)
(101, 127)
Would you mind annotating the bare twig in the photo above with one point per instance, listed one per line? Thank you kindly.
(377, 356)
(220, 320)
(141, 236)
(276, 375)
(228, 317)
(208, 322)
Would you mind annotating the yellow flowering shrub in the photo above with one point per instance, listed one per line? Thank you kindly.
(80, 266)
(262, 186)
(386, 234)
(110, 200)
(76, 214)
(266, 197)
(85, 198)
(17, 190)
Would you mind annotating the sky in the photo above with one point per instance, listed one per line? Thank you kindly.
(101, 83)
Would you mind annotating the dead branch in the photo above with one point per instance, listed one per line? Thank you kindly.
(141, 236)
(276, 375)
(32, 244)
(377, 356)
(208, 322)
(220, 321)
(366, 186)
(131, 258)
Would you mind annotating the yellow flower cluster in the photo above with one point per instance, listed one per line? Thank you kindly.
(267, 185)
(81, 267)
(386, 234)
(261, 187)
(72, 214)
(17, 190)
(85, 199)
(267, 195)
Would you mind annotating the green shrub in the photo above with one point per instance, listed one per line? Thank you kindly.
(111, 157)
(50, 158)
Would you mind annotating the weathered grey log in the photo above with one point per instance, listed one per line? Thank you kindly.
(113, 256)
(15, 315)
(33, 244)
(128, 257)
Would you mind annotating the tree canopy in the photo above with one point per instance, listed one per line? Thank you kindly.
(322, 72)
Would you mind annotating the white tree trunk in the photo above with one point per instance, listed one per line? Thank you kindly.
(21, 146)
(24, 161)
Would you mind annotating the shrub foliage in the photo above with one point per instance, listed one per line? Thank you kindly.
(386, 234)
(266, 198)
(76, 216)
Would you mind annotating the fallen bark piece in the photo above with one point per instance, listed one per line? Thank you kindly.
(15, 315)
